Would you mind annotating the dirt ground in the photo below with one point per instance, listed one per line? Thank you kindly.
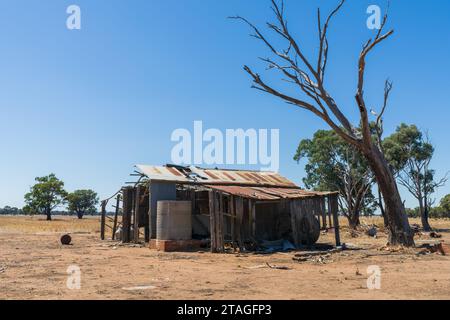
(34, 265)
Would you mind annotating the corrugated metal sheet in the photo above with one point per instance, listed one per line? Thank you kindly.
(162, 173)
(264, 193)
(214, 176)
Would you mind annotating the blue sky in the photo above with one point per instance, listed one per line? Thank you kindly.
(89, 104)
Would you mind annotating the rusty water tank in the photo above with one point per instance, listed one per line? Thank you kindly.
(174, 220)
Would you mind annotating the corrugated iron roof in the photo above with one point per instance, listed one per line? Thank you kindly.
(214, 176)
(265, 193)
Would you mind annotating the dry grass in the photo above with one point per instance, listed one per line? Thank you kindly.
(378, 221)
(89, 224)
(39, 225)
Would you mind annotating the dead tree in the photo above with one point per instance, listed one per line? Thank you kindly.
(309, 77)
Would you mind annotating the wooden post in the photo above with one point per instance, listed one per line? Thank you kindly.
(233, 221)
(294, 207)
(192, 196)
(212, 220)
(126, 214)
(252, 218)
(330, 213)
(147, 228)
(333, 202)
(102, 225)
(322, 212)
(330, 216)
(219, 223)
(147, 217)
(137, 199)
(239, 218)
(116, 214)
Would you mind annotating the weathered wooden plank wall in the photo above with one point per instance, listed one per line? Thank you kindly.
(216, 221)
(127, 193)
(334, 208)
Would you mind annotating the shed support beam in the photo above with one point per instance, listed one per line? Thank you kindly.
(239, 220)
(116, 214)
(126, 214)
(216, 222)
(333, 205)
(103, 218)
(137, 200)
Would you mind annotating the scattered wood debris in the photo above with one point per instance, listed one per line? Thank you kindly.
(415, 228)
(439, 248)
(260, 266)
(267, 265)
(320, 259)
(139, 288)
(435, 235)
(278, 267)
(323, 256)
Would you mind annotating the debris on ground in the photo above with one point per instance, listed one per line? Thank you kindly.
(115, 244)
(372, 231)
(317, 253)
(2, 269)
(396, 249)
(260, 266)
(315, 257)
(138, 288)
(350, 246)
(435, 235)
(364, 229)
(66, 239)
(415, 228)
(278, 267)
(267, 265)
(323, 256)
(131, 245)
(439, 248)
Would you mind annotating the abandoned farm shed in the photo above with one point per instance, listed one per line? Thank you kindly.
(180, 207)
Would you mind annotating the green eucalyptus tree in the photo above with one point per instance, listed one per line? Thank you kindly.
(47, 194)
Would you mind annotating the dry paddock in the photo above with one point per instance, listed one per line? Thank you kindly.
(33, 265)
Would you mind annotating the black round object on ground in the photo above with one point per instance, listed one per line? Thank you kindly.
(66, 239)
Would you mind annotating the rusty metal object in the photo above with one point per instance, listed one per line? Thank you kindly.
(214, 176)
(264, 193)
(66, 239)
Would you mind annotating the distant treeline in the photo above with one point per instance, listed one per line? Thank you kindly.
(13, 211)
(435, 212)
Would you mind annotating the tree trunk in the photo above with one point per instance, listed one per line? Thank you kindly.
(424, 213)
(80, 215)
(399, 230)
(380, 204)
(353, 219)
(49, 214)
(424, 218)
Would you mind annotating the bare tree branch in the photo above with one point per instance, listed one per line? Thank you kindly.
(312, 85)
(368, 47)
(323, 46)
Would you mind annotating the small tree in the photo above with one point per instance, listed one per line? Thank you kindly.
(410, 154)
(445, 204)
(82, 202)
(45, 195)
(334, 164)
